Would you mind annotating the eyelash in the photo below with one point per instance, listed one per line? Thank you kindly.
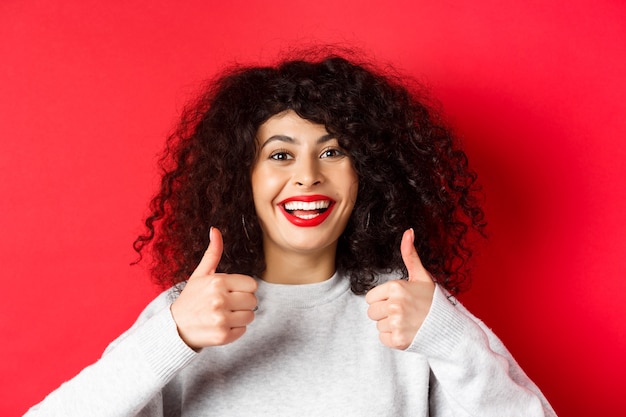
(274, 155)
(283, 154)
(337, 152)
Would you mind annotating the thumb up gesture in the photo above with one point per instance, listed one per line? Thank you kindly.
(400, 307)
(214, 309)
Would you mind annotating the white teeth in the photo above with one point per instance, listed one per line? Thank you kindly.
(307, 206)
(307, 216)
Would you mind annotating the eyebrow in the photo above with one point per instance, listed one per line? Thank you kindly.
(289, 139)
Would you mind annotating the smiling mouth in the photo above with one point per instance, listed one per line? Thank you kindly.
(306, 210)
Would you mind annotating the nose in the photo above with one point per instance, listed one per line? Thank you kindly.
(308, 172)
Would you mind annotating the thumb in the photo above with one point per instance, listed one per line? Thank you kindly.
(411, 259)
(212, 256)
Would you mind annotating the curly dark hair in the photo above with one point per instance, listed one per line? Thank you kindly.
(411, 170)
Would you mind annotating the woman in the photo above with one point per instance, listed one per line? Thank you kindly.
(292, 200)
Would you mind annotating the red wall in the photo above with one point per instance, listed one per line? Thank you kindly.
(89, 89)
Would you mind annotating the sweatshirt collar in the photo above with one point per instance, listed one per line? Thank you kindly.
(302, 295)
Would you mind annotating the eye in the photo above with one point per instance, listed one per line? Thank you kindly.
(332, 153)
(280, 155)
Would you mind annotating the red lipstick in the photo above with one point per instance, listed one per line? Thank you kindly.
(307, 210)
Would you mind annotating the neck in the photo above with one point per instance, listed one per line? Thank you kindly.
(299, 268)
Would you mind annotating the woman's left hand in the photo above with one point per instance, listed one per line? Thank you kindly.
(400, 307)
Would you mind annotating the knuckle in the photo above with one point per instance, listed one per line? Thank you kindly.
(253, 283)
(222, 338)
(399, 341)
(380, 326)
(395, 285)
(397, 288)
(217, 303)
(218, 281)
(219, 322)
(370, 313)
(396, 309)
(248, 317)
(396, 323)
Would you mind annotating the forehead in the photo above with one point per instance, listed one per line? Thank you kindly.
(288, 123)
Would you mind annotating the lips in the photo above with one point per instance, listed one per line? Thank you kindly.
(307, 211)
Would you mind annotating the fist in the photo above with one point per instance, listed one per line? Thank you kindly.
(214, 309)
(400, 307)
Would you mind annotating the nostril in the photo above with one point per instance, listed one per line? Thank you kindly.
(304, 185)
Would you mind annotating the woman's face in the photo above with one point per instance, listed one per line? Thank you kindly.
(304, 186)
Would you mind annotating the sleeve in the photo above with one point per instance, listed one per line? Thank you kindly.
(472, 373)
(131, 373)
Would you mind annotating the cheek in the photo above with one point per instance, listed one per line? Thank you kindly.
(265, 187)
(257, 188)
(354, 190)
(353, 185)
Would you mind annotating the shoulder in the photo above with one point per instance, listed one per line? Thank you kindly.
(161, 301)
(156, 310)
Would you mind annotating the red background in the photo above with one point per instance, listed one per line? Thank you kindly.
(89, 89)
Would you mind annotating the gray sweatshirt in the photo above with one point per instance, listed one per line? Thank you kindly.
(310, 351)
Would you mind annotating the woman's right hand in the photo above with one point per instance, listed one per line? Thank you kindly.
(214, 309)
